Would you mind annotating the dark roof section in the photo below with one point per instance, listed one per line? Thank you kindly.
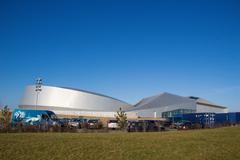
(202, 101)
(97, 94)
(168, 99)
(162, 100)
(195, 98)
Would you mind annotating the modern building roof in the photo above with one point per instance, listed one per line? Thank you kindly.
(94, 93)
(168, 99)
(162, 100)
(70, 99)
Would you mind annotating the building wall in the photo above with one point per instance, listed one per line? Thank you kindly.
(77, 113)
(93, 114)
(56, 98)
(203, 108)
(152, 112)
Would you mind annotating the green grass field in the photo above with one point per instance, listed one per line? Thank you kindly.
(216, 144)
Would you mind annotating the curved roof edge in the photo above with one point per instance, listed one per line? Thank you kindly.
(43, 107)
(89, 92)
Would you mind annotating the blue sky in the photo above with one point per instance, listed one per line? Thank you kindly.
(125, 49)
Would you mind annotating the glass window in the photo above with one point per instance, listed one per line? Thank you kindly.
(173, 113)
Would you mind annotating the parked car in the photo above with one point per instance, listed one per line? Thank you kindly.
(135, 126)
(64, 122)
(185, 126)
(77, 123)
(113, 124)
(94, 124)
(153, 126)
(145, 126)
(74, 123)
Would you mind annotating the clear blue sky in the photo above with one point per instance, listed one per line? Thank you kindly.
(125, 49)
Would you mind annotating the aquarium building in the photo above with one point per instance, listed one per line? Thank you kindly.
(75, 102)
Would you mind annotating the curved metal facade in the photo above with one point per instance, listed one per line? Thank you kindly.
(67, 99)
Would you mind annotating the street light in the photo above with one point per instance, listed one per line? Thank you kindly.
(38, 89)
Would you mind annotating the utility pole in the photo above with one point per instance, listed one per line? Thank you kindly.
(38, 89)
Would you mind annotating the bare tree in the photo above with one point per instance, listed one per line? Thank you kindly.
(121, 118)
(5, 118)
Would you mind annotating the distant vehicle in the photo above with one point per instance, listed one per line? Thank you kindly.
(73, 123)
(135, 126)
(153, 125)
(77, 122)
(64, 122)
(145, 126)
(94, 124)
(34, 118)
(83, 123)
(113, 124)
(184, 125)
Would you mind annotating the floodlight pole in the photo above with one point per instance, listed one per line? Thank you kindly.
(38, 89)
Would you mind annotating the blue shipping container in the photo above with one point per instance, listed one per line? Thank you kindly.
(205, 119)
(221, 118)
(234, 117)
(209, 119)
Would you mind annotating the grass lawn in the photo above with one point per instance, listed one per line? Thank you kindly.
(216, 144)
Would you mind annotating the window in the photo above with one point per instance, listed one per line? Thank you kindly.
(176, 112)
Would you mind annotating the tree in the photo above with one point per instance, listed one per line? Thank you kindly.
(121, 118)
(5, 117)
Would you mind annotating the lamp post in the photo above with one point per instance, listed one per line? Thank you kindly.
(38, 89)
